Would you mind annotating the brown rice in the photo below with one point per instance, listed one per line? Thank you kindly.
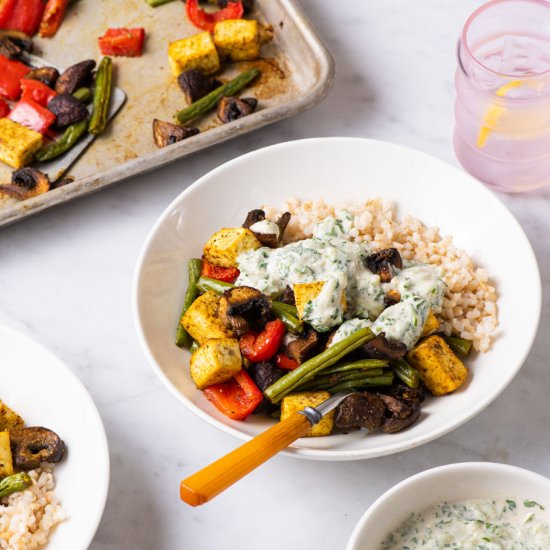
(469, 306)
(27, 517)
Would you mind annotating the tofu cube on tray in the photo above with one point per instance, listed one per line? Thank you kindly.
(18, 144)
(194, 52)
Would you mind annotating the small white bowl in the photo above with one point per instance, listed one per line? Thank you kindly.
(453, 482)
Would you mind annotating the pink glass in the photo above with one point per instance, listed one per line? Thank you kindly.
(502, 133)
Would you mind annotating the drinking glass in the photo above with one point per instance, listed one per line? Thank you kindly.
(502, 133)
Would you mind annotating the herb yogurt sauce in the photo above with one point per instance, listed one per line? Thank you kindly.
(331, 256)
(474, 525)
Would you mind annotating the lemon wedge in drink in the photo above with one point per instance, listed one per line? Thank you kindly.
(494, 114)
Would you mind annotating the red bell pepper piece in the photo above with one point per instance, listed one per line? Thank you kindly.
(285, 362)
(257, 347)
(6, 7)
(226, 274)
(236, 398)
(11, 73)
(207, 20)
(52, 17)
(37, 91)
(4, 109)
(32, 115)
(122, 42)
(26, 16)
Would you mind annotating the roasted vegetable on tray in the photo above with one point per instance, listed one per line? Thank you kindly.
(260, 321)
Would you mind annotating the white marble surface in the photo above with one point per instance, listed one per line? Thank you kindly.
(66, 277)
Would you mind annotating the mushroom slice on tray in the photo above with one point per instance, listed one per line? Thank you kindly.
(26, 183)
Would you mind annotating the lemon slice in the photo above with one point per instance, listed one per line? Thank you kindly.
(492, 116)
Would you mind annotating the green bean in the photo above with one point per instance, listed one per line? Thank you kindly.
(194, 346)
(307, 370)
(362, 364)
(14, 484)
(219, 287)
(102, 96)
(209, 101)
(157, 3)
(70, 136)
(290, 309)
(183, 338)
(374, 382)
(326, 381)
(406, 373)
(460, 346)
(83, 94)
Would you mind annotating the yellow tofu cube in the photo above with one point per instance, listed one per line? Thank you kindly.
(296, 402)
(9, 419)
(194, 52)
(6, 461)
(440, 369)
(431, 324)
(226, 245)
(18, 144)
(202, 320)
(216, 361)
(307, 292)
(238, 39)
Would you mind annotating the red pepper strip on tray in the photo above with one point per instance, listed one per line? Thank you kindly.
(4, 109)
(285, 362)
(236, 398)
(52, 17)
(6, 7)
(206, 20)
(257, 347)
(225, 274)
(26, 16)
(32, 115)
(11, 73)
(122, 42)
(37, 91)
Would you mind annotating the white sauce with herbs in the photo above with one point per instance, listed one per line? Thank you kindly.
(266, 227)
(330, 256)
(503, 524)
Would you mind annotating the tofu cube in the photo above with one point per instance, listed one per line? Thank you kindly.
(194, 52)
(18, 144)
(238, 39)
(296, 402)
(307, 292)
(9, 419)
(226, 245)
(431, 324)
(216, 361)
(202, 320)
(6, 461)
(440, 369)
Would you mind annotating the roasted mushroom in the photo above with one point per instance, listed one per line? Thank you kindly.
(31, 446)
(166, 133)
(243, 308)
(67, 109)
(247, 4)
(231, 108)
(265, 374)
(195, 84)
(288, 296)
(9, 49)
(380, 348)
(271, 240)
(360, 410)
(76, 76)
(401, 391)
(400, 414)
(392, 297)
(46, 75)
(14, 43)
(26, 183)
(381, 263)
(304, 346)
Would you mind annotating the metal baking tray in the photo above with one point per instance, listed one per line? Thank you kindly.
(297, 72)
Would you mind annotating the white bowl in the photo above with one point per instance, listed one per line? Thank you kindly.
(453, 482)
(342, 169)
(45, 392)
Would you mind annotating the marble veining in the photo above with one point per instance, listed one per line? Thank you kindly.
(66, 279)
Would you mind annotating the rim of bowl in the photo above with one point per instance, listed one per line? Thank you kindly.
(330, 454)
(414, 480)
